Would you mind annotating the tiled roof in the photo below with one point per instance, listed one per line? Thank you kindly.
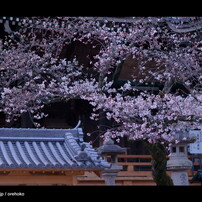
(177, 24)
(47, 148)
(184, 24)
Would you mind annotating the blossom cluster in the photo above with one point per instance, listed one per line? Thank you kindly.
(154, 118)
(33, 73)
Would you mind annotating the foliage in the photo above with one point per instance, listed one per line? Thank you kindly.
(33, 73)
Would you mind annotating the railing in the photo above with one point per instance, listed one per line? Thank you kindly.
(143, 162)
(135, 162)
(140, 166)
(136, 171)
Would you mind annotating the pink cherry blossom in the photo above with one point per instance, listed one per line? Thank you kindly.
(34, 73)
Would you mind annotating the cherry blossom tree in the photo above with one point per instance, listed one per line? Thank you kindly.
(156, 117)
(34, 73)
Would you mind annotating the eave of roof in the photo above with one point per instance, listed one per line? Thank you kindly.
(174, 23)
(46, 149)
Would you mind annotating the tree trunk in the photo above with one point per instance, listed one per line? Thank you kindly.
(158, 152)
(159, 162)
(103, 122)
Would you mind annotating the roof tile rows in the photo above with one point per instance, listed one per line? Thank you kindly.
(47, 148)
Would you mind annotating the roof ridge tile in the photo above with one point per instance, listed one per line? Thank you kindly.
(47, 148)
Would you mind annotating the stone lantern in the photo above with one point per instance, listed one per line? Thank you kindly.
(178, 162)
(110, 151)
